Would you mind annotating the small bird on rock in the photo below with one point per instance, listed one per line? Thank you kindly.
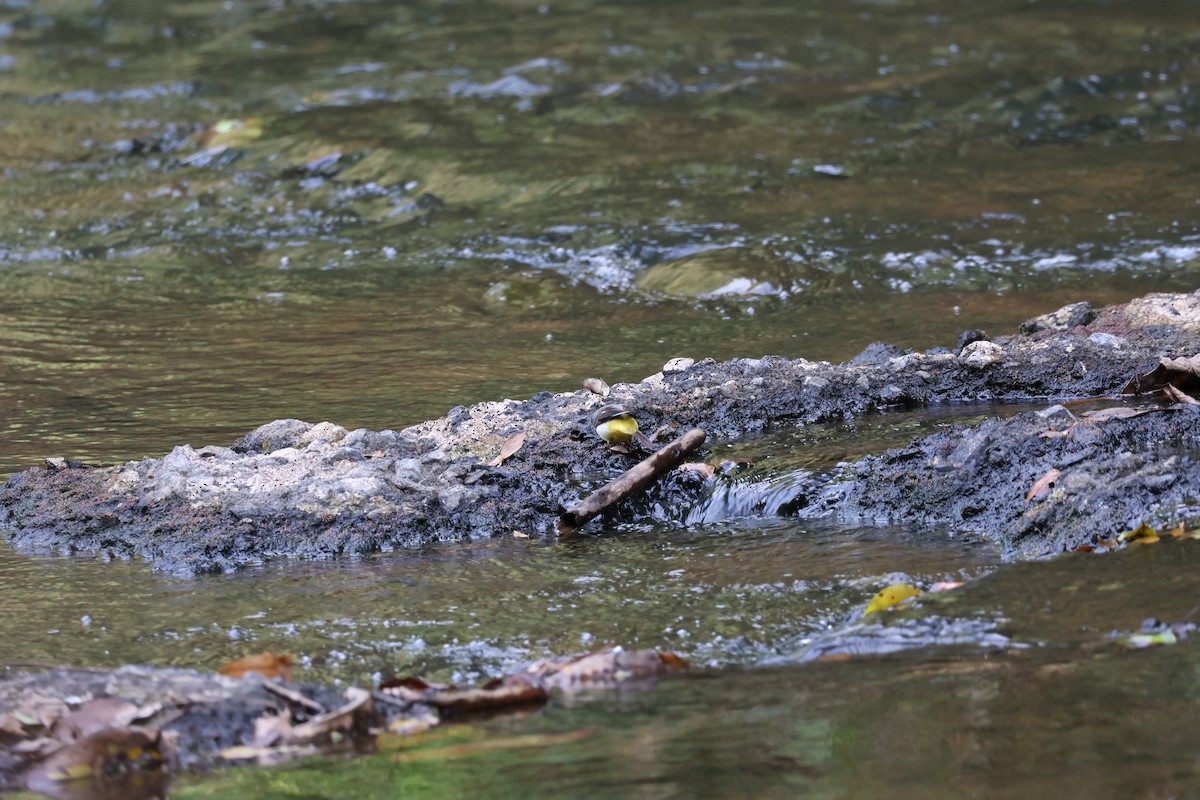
(615, 425)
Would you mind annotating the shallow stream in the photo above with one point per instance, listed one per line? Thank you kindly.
(427, 204)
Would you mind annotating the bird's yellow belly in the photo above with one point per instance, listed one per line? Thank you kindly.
(617, 431)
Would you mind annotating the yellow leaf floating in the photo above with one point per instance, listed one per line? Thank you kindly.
(1142, 533)
(1137, 641)
(891, 597)
(230, 133)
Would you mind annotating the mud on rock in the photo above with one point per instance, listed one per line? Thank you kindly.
(298, 489)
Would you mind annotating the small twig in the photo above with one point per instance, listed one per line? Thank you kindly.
(633, 480)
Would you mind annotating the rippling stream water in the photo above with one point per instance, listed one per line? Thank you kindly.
(437, 203)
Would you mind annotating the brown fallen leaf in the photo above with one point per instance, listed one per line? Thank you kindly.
(597, 386)
(489, 697)
(503, 693)
(269, 665)
(1189, 365)
(1179, 396)
(705, 471)
(41, 710)
(410, 685)
(37, 748)
(608, 666)
(511, 446)
(1043, 485)
(10, 727)
(271, 729)
(1118, 412)
(92, 716)
(344, 719)
(1102, 415)
(1179, 372)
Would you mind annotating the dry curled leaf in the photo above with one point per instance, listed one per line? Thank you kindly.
(1178, 372)
(1180, 396)
(510, 447)
(92, 716)
(1118, 412)
(596, 386)
(489, 697)
(10, 728)
(607, 666)
(705, 471)
(269, 665)
(1189, 365)
(270, 729)
(343, 719)
(1043, 485)
(503, 693)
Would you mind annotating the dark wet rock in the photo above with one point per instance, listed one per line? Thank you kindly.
(1069, 316)
(655, 88)
(294, 488)
(201, 713)
(878, 353)
(875, 638)
(1115, 475)
(969, 337)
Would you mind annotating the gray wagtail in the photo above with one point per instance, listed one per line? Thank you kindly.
(615, 425)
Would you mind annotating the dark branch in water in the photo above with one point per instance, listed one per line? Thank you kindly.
(633, 480)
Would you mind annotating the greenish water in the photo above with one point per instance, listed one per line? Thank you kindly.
(452, 202)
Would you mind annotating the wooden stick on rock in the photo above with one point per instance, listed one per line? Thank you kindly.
(632, 480)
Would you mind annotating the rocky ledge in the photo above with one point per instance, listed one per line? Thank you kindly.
(291, 488)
